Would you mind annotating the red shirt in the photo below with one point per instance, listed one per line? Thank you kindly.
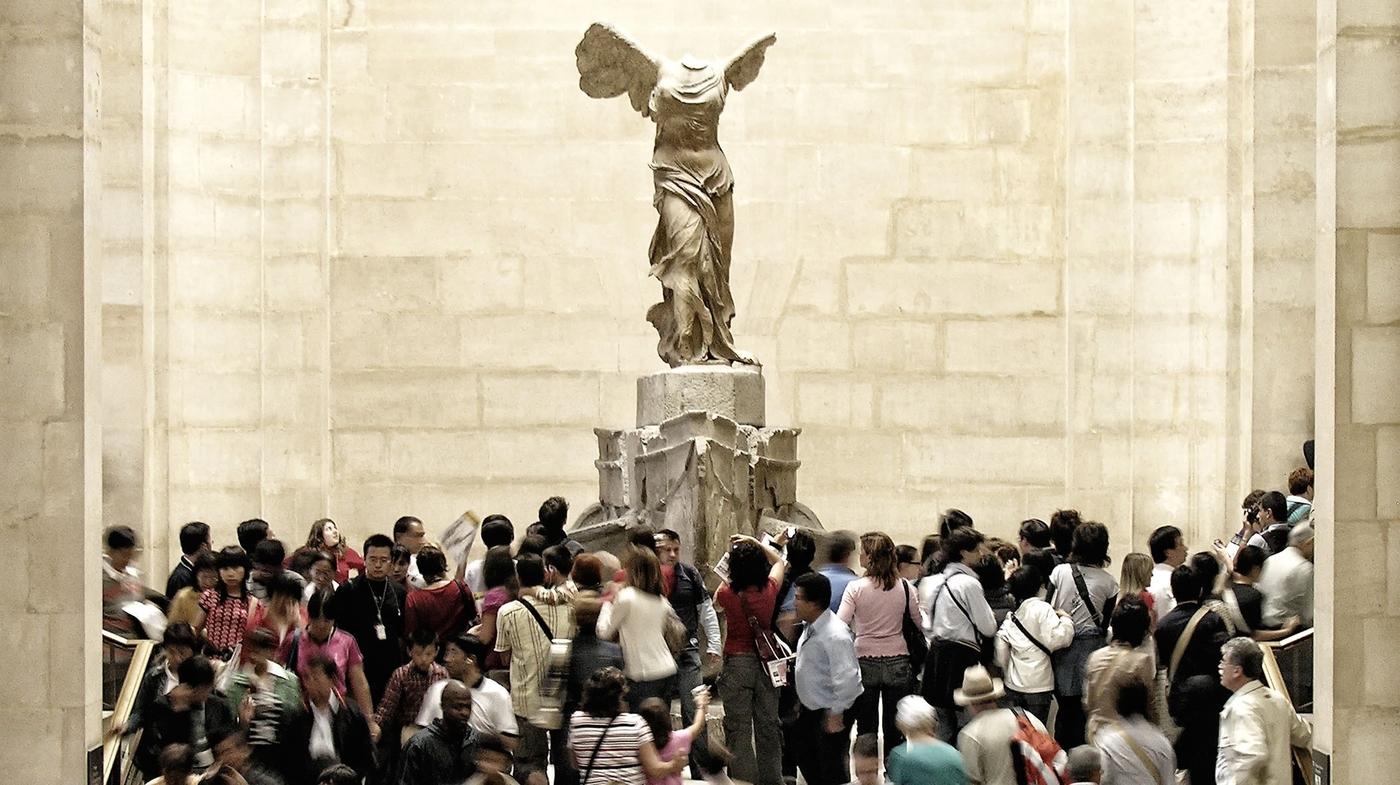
(447, 610)
(756, 603)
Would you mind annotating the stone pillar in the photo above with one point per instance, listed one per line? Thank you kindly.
(50, 333)
(1358, 413)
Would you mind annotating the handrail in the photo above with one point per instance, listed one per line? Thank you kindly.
(113, 744)
(1273, 677)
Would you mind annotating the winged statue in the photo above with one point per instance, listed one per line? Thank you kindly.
(690, 250)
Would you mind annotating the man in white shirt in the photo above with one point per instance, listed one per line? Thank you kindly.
(1258, 727)
(1287, 580)
(1168, 549)
(827, 681)
(491, 706)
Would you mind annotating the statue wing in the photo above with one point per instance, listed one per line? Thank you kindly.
(610, 64)
(743, 67)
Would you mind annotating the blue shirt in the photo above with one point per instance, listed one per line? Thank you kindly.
(828, 674)
(840, 576)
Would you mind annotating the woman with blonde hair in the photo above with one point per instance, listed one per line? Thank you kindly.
(875, 608)
(1133, 580)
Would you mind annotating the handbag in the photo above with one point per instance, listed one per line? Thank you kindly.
(913, 636)
(772, 650)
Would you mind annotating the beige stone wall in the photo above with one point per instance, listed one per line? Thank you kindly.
(50, 332)
(1358, 339)
(989, 252)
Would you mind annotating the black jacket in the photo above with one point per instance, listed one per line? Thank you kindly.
(688, 593)
(355, 612)
(181, 577)
(349, 731)
(167, 726)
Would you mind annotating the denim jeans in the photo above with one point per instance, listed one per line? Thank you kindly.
(886, 680)
(751, 720)
(688, 677)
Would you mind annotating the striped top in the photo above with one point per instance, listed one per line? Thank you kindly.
(619, 756)
(517, 632)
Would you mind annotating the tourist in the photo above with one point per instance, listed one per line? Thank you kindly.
(322, 638)
(1134, 750)
(951, 520)
(326, 536)
(443, 606)
(1273, 520)
(750, 700)
(1084, 589)
(1246, 602)
(176, 766)
(121, 581)
(267, 699)
(184, 606)
(370, 608)
(875, 607)
(554, 514)
(1258, 726)
(1135, 580)
(268, 557)
(1034, 533)
(194, 540)
(400, 562)
(1085, 766)
(492, 713)
(1063, 524)
(828, 683)
(1025, 642)
(865, 760)
(443, 753)
(1188, 646)
(991, 573)
(496, 530)
(985, 743)
(1249, 523)
(1168, 551)
(956, 620)
(409, 532)
(558, 587)
(837, 569)
(930, 551)
(498, 573)
(1287, 580)
(331, 731)
(1044, 561)
(321, 568)
(403, 697)
(251, 532)
(186, 715)
(587, 573)
(233, 753)
(179, 644)
(281, 614)
(1300, 495)
(637, 619)
(923, 758)
(524, 630)
(672, 744)
(1123, 660)
(685, 589)
(611, 746)
(907, 558)
(799, 551)
(226, 606)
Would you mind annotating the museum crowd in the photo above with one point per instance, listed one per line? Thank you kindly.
(966, 659)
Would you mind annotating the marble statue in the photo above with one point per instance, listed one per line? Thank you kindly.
(690, 250)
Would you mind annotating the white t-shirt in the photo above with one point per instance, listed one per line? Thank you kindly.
(638, 621)
(474, 578)
(491, 709)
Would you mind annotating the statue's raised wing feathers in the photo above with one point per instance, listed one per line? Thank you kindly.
(610, 64)
(743, 67)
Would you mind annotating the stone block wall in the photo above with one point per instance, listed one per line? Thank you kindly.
(987, 251)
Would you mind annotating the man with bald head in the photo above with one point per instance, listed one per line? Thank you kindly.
(443, 753)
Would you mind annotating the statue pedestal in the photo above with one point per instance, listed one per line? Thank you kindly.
(732, 392)
(701, 461)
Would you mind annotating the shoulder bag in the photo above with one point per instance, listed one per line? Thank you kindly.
(913, 636)
(1100, 619)
(587, 769)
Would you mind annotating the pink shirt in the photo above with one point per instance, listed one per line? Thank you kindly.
(341, 648)
(678, 744)
(876, 616)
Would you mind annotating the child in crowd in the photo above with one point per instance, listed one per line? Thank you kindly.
(403, 696)
(671, 743)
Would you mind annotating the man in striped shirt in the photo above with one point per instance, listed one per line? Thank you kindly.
(524, 629)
